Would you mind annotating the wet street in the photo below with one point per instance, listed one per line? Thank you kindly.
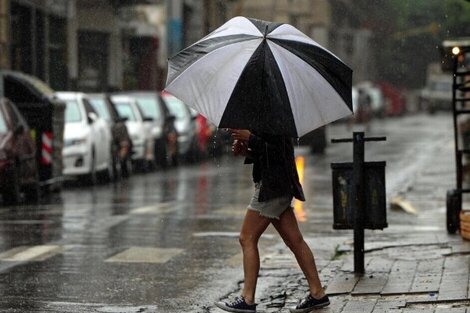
(167, 241)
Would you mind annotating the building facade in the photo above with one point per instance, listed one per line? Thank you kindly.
(39, 29)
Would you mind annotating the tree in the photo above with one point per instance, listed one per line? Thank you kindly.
(408, 34)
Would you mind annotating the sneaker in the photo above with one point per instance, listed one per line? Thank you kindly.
(310, 303)
(238, 306)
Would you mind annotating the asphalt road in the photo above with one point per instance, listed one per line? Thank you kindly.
(167, 241)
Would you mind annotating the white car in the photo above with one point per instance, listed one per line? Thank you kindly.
(139, 128)
(87, 139)
(185, 124)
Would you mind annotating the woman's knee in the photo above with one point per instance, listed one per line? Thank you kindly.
(294, 242)
(248, 240)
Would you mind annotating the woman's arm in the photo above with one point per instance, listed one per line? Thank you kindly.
(256, 144)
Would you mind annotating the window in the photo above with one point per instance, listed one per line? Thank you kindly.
(149, 107)
(92, 61)
(72, 112)
(125, 110)
(177, 107)
(100, 107)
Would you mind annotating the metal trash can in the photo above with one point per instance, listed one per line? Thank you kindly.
(374, 193)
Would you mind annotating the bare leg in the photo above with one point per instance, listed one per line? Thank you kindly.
(253, 227)
(289, 230)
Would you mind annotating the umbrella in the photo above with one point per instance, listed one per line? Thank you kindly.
(262, 76)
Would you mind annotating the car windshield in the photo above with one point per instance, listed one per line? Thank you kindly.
(125, 110)
(3, 124)
(149, 106)
(177, 107)
(100, 107)
(72, 112)
(441, 86)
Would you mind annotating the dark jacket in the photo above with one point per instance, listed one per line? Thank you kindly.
(274, 165)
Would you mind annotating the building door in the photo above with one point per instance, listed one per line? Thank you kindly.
(93, 53)
(58, 74)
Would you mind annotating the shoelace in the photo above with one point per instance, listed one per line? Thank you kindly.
(237, 301)
(305, 301)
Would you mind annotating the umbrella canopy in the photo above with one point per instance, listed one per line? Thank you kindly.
(263, 76)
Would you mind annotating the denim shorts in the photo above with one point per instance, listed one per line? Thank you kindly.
(272, 208)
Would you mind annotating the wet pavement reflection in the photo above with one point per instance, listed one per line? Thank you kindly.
(159, 241)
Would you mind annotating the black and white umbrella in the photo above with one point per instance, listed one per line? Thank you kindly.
(263, 76)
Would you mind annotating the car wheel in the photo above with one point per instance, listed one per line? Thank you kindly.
(11, 194)
(116, 168)
(32, 193)
(126, 166)
(161, 151)
(109, 172)
(453, 208)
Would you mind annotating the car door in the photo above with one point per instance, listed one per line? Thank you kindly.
(24, 147)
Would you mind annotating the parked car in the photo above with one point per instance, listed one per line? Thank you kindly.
(163, 127)
(373, 96)
(87, 139)
(121, 142)
(139, 128)
(18, 166)
(437, 94)
(186, 126)
(204, 132)
(394, 98)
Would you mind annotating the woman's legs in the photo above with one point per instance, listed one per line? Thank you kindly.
(289, 230)
(253, 227)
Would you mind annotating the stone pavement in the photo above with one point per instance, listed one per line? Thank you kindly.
(412, 266)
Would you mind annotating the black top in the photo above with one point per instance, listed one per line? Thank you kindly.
(274, 165)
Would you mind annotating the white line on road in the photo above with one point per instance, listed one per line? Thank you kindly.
(35, 253)
(145, 255)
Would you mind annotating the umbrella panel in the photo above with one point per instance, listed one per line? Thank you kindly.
(259, 101)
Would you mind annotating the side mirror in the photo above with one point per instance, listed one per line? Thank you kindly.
(92, 117)
(18, 130)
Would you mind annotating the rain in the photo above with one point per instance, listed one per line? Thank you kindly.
(130, 135)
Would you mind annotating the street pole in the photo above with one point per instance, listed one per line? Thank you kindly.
(358, 194)
(358, 204)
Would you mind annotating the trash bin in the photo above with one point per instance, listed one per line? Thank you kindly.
(374, 195)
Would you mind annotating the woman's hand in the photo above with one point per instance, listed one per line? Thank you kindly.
(240, 134)
(239, 148)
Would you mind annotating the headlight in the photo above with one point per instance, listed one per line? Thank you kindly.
(137, 139)
(75, 142)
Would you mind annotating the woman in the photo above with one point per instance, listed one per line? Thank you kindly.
(276, 183)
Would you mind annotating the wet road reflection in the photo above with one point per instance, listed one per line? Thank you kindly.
(161, 238)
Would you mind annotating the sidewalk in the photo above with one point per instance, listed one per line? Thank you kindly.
(410, 267)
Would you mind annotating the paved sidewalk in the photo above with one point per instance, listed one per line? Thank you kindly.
(410, 267)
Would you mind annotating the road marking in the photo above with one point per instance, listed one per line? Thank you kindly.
(35, 253)
(154, 209)
(227, 234)
(145, 255)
